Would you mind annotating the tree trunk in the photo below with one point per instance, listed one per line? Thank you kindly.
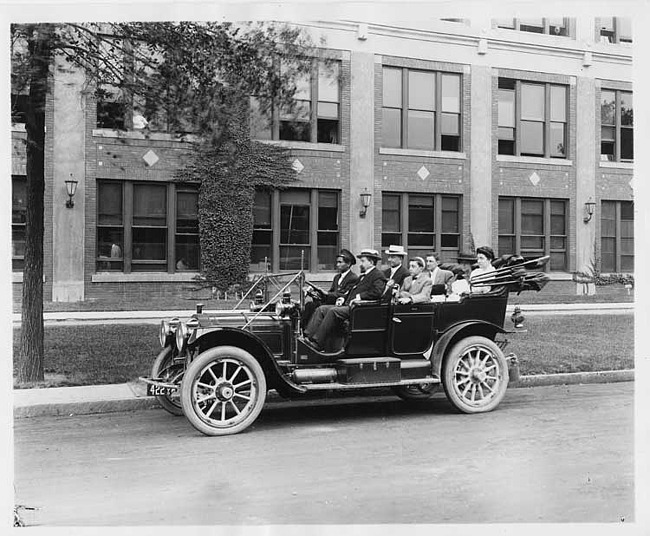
(30, 365)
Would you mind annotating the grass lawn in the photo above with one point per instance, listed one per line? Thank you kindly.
(102, 354)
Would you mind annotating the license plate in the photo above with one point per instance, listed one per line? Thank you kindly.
(160, 390)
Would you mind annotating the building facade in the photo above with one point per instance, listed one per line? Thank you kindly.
(516, 134)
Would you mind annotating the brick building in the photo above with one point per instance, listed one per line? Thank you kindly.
(512, 133)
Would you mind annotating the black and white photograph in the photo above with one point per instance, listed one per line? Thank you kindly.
(325, 267)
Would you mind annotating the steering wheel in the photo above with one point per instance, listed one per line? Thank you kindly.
(314, 291)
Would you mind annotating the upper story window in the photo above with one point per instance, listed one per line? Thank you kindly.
(616, 126)
(147, 227)
(422, 223)
(111, 108)
(532, 119)
(294, 228)
(19, 106)
(315, 114)
(550, 26)
(615, 29)
(421, 110)
(18, 221)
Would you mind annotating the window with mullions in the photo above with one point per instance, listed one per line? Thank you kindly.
(316, 112)
(421, 110)
(294, 228)
(532, 119)
(617, 236)
(147, 227)
(18, 221)
(615, 30)
(422, 223)
(19, 107)
(616, 126)
(111, 108)
(550, 26)
(533, 228)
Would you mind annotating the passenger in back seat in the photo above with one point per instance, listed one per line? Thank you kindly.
(417, 286)
(484, 257)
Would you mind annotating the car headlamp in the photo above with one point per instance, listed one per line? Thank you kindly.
(164, 332)
(181, 333)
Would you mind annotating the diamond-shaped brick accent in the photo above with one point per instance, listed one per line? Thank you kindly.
(150, 158)
(297, 165)
(423, 173)
(534, 178)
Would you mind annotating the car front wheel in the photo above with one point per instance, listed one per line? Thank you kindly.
(223, 391)
(164, 368)
(475, 375)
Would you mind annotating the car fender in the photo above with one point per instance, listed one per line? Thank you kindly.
(253, 345)
(457, 332)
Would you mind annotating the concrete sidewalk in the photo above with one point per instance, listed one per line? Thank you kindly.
(154, 317)
(68, 401)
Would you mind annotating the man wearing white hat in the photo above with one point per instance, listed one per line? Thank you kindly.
(397, 272)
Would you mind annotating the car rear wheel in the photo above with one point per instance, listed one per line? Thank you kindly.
(164, 368)
(223, 391)
(475, 375)
(416, 392)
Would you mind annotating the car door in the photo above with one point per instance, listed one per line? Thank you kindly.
(411, 329)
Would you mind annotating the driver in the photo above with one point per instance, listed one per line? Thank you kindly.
(341, 284)
(370, 286)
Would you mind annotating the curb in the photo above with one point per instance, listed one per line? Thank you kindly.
(138, 401)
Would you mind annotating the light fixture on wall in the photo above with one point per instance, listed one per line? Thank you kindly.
(71, 189)
(590, 207)
(365, 202)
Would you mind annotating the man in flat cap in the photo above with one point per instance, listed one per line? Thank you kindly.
(341, 284)
(370, 286)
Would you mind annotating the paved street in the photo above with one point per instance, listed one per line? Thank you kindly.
(548, 454)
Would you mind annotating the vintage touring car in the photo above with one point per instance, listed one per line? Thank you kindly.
(216, 368)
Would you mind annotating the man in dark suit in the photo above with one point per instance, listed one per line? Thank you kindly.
(397, 272)
(371, 286)
(342, 283)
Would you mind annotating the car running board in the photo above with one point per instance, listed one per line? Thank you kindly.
(352, 386)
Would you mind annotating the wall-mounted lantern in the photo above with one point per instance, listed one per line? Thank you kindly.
(71, 189)
(590, 207)
(365, 202)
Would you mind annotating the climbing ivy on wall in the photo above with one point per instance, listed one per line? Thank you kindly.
(228, 175)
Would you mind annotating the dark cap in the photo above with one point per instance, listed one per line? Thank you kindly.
(487, 251)
(347, 257)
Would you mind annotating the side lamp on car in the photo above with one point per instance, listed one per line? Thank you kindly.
(181, 333)
(165, 331)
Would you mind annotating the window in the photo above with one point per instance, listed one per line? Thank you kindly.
(615, 30)
(422, 223)
(616, 126)
(532, 228)
(295, 228)
(532, 119)
(147, 227)
(550, 26)
(111, 108)
(315, 114)
(421, 110)
(18, 221)
(19, 106)
(617, 236)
